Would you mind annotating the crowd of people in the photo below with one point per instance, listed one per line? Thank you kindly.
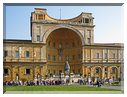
(12, 83)
(33, 83)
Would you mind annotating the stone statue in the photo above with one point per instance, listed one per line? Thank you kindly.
(66, 68)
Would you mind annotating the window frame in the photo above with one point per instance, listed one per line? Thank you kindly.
(5, 53)
(60, 45)
(66, 58)
(106, 55)
(16, 52)
(38, 38)
(27, 53)
(73, 57)
(73, 44)
(97, 70)
(27, 69)
(6, 69)
(48, 57)
(53, 44)
(53, 58)
(60, 58)
(113, 55)
(88, 40)
(66, 45)
(97, 55)
(79, 56)
(113, 69)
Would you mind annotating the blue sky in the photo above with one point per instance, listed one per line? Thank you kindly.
(108, 21)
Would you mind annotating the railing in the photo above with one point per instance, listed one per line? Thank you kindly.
(63, 22)
(23, 60)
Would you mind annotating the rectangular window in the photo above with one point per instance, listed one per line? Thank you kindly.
(121, 56)
(27, 71)
(73, 57)
(53, 44)
(78, 70)
(5, 71)
(48, 71)
(78, 56)
(60, 58)
(27, 54)
(105, 55)
(16, 54)
(67, 58)
(73, 44)
(73, 71)
(113, 70)
(66, 45)
(86, 20)
(38, 38)
(48, 57)
(78, 43)
(5, 53)
(88, 40)
(105, 69)
(60, 45)
(49, 43)
(53, 71)
(113, 55)
(97, 55)
(53, 58)
(97, 70)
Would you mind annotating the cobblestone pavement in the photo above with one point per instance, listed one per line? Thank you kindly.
(103, 86)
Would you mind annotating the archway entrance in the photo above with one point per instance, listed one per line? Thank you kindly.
(63, 45)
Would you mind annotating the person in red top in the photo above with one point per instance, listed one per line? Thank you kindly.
(50, 82)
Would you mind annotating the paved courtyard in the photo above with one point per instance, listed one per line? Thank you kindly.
(104, 86)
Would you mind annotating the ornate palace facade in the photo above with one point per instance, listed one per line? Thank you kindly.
(53, 42)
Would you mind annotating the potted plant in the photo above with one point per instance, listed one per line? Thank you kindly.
(85, 75)
(81, 74)
(46, 76)
(51, 74)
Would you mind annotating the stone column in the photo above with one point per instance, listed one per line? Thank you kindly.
(35, 17)
(43, 53)
(12, 51)
(83, 71)
(108, 76)
(12, 73)
(86, 70)
(35, 76)
(43, 16)
(83, 52)
(89, 21)
(19, 52)
(40, 53)
(108, 54)
(118, 55)
(102, 55)
(123, 73)
(20, 73)
(84, 20)
(91, 55)
(34, 52)
(103, 74)
(41, 67)
(91, 71)
(118, 72)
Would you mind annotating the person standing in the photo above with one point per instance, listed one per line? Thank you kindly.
(103, 81)
(109, 81)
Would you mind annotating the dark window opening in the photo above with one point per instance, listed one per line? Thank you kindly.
(27, 71)
(5, 71)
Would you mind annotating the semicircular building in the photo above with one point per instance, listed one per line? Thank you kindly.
(53, 42)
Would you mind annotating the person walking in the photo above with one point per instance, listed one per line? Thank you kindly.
(109, 81)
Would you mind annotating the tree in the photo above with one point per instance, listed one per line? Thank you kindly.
(23, 80)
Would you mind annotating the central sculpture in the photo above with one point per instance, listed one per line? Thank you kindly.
(66, 68)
